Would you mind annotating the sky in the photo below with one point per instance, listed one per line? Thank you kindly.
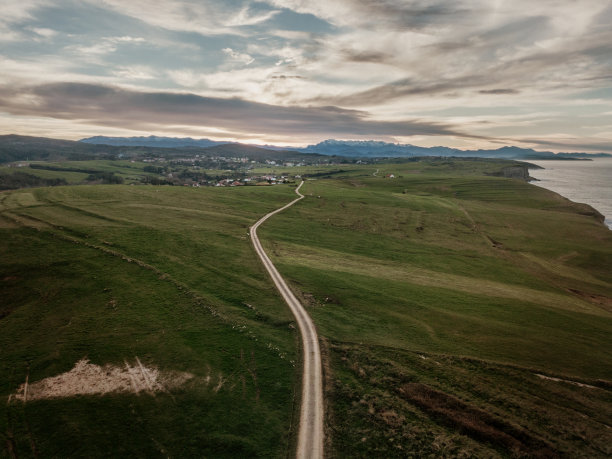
(462, 73)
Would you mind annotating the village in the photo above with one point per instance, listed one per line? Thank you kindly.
(226, 171)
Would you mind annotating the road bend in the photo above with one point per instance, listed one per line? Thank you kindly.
(310, 435)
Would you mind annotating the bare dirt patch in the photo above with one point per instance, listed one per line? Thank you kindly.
(89, 379)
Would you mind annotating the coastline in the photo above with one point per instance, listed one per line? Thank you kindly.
(583, 182)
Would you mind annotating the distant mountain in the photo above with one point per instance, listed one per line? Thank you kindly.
(26, 141)
(251, 151)
(27, 148)
(372, 149)
(152, 141)
(240, 150)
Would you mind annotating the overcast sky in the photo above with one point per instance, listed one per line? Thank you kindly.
(461, 73)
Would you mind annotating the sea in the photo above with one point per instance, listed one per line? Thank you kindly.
(589, 182)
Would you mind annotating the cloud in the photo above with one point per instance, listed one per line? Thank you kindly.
(445, 71)
(411, 14)
(206, 18)
(442, 49)
(470, 66)
(572, 144)
(112, 106)
(401, 88)
(44, 32)
(97, 49)
(246, 18)
(238, 57)
(19, 10)
(366, 56)
(499, 91)
(126, 39)
(14, 12)
(134, 72)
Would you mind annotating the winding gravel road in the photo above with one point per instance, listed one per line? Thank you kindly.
(310, 436)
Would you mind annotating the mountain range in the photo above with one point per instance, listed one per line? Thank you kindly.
(26, 148)
(153, 141)
(350, 148)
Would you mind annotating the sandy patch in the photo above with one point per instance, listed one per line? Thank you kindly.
(89, 379)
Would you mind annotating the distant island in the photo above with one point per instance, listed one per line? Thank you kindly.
(352, 148)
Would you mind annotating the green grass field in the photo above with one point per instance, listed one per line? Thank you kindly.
(461, 315)
(162, 274)
(442, 295)
(131, 172)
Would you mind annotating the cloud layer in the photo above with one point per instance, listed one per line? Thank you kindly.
(138, 110)
(470, 73)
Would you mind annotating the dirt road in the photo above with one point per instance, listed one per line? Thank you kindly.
(310, 435)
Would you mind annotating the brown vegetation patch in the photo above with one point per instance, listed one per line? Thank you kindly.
(328, 389)
(89, 379)
(392, 419)
(603, 301)
(474, 422)
(495, 244)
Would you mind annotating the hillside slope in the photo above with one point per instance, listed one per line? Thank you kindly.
(157, 285)
(463, 314)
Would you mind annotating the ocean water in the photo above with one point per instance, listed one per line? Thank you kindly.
(589, 182)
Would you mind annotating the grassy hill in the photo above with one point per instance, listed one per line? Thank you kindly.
(462, 314)
(164, 276)
(78, 172)
(27, 148)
